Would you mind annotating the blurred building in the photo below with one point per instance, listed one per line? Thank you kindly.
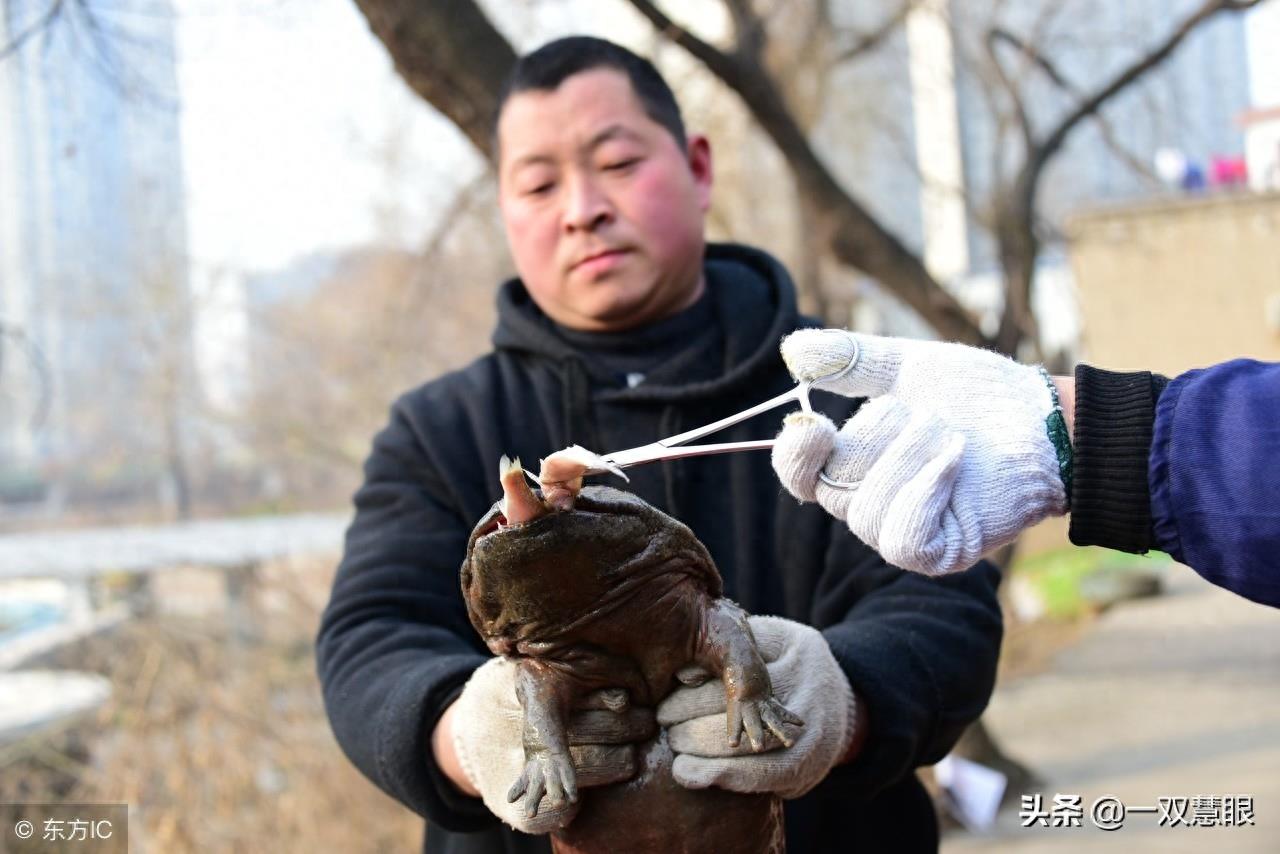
(1262, 123)
(913, 130)
(1262, 139)
(92, 237)
(1188, 103)
(1175, 284)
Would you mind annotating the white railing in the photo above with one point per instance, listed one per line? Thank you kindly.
(214, 544)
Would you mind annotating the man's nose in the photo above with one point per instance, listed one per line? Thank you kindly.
(587, 207)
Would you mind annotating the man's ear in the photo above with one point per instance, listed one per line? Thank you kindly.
(698, 153)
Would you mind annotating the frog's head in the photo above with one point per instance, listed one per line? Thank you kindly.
(531, 570)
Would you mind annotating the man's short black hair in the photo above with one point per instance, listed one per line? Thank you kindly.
(550, 65)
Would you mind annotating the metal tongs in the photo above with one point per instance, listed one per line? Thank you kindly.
(671, 448)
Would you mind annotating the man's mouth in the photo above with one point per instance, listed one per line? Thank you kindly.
(599, 260)
(498, 523)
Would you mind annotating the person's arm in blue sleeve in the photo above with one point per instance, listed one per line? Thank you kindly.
(395, 646)
(1187, 466)
(959, 449)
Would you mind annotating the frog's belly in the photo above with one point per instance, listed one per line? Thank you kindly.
(654, 813)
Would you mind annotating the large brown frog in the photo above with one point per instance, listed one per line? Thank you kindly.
(614, 594)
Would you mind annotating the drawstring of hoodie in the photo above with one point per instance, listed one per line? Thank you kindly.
(579, 427)
(577, 421)
(669, 425)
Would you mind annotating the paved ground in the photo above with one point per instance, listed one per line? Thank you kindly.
(1177, 696)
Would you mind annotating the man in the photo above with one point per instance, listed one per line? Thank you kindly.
(625, 326)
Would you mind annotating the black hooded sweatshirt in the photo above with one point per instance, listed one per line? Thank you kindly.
(395, 646)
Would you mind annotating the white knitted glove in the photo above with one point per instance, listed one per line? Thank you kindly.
(951, 456)
(487, 738)
(806, 679)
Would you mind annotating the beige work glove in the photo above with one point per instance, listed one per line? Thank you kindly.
(487, 738)
(955, 453)
(806, 680)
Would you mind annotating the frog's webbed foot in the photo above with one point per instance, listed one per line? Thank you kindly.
(551, 774)
(759, 719)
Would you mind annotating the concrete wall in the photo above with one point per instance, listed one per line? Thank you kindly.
(1179, 284)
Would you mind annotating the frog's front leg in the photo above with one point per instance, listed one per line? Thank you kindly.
(546, 695)
(729, 647)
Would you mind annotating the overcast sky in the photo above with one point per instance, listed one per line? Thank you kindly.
(288, 111)
(290, 107)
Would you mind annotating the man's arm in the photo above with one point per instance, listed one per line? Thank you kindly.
(920, 654)
(446, 757)
(395, 645)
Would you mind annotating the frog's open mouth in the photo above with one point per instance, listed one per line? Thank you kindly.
(496, 523)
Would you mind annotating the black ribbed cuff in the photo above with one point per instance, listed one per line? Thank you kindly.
(1110, 496)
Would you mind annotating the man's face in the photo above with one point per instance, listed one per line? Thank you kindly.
(603, 210)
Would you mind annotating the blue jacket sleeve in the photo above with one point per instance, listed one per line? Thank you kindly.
(1214, 474)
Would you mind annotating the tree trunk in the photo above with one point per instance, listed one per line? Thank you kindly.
(449, 54)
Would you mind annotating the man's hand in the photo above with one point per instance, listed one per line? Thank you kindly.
(478, 745)
(806, 679)
(951, 457)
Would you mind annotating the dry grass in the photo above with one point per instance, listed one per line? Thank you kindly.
(217, 744)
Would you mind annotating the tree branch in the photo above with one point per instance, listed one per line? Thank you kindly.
(39, 364)
(749, 32)
(450, 55)
(1015, 97)
(867, 42)
(717, 61)
(1060, 80)
(39, 25)
(1055, 138)
(1000, 34)
(856, 238)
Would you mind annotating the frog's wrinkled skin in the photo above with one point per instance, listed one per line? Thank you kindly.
(615, 594)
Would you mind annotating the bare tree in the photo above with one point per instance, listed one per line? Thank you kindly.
(120, 43)
(328, 363)
(18, 352)
(454, 57)
(450, 54)
(1015, 200)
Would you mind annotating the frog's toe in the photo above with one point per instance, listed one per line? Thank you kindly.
(752, 725)
(692, 675)
(615, 699)
(776, 718)
(551, 776)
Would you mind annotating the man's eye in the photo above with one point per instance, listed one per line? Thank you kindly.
(539, 189)
(621, 165)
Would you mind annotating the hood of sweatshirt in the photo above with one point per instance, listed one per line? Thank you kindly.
(750, 294)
